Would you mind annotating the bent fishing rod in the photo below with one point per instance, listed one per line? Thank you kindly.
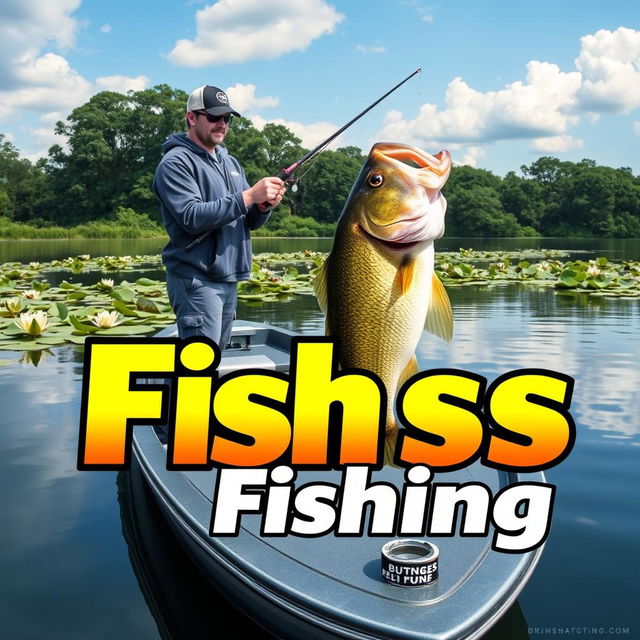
(287, 173)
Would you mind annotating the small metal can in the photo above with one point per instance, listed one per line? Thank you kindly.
(410, 563)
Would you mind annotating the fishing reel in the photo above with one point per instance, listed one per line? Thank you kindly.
(293, 183)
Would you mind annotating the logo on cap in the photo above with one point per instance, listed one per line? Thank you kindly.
(222, 96)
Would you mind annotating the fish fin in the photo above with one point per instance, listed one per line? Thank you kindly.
(410, 370)
(439, 316)
(405, 275)
(320, 287)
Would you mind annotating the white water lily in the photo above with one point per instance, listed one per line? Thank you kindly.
(84, 256)
(106, 319)
(501, 265)
(105, 283)
(34, 265)
(31, 294)
(126, 259)
(593, 270)
(14, 305)
(33, 324)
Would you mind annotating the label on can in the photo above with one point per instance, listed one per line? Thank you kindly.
(410, 563)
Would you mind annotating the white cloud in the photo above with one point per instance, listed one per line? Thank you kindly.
(243, 98)
(470, 157)
(30, 80)
(239, 30)
(43, 138)
(46, 137)
(556, 144)
(37, 84)
(28, 24)
(543, 107)
(310, 134)
(424, 12)
(47, 83)
(540, 106)
(610, 65)
(378, 48)
(105, 28)
(52, 117)
(122, 84)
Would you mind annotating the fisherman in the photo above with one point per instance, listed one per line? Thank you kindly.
(208, 209)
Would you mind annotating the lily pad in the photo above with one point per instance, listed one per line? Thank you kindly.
(77, 295)
(125, 310)
(127, 330)
(123, 294)
(147, 282)
(144, 304)
(81, 326)
(568, 279)
(59, 309)
(51, 339)
(67, 286)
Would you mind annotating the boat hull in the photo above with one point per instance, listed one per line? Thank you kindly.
(330, 586)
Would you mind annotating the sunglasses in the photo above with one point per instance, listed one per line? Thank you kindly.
(227, 117)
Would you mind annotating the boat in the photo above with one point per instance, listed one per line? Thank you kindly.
(182, 601)
(329, 586)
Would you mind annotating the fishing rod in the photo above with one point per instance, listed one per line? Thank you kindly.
(286, 173)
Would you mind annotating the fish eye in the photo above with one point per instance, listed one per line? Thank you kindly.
(375, 179)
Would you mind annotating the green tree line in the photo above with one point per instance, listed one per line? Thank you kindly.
(100, 181)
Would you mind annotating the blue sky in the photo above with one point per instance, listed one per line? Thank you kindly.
(502, 84)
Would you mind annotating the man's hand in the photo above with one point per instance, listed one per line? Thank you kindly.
(267, 192)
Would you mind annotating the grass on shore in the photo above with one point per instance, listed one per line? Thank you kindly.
(18, 231)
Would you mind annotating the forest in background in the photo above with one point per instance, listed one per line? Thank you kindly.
(99, 184)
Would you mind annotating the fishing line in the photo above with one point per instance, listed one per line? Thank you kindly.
(287, 172)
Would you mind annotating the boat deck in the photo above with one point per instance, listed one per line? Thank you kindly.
(252, 345)
(327, 586)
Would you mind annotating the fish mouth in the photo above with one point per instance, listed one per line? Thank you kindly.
(400, 221)
(417, 176)
(431, 171)
(390, 244)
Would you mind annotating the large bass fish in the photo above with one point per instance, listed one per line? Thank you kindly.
(377, 288)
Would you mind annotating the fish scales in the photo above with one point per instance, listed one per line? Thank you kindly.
(375, 287)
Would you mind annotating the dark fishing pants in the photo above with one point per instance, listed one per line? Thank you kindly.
(203, 307)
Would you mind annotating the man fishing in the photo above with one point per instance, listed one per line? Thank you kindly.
(208, 210)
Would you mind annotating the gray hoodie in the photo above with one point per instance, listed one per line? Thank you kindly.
(199, 192)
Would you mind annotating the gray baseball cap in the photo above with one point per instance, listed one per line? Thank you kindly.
(210, 99)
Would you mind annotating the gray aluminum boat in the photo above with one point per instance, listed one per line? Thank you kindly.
(328, 586)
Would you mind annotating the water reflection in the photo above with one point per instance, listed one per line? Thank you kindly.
(45, 250)
(184, 605)
(35, 357)
(507, 328)
(40, 426)
(63, 567)
(63, 555)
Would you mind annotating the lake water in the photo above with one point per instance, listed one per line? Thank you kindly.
(44, 250)
(72, 556)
